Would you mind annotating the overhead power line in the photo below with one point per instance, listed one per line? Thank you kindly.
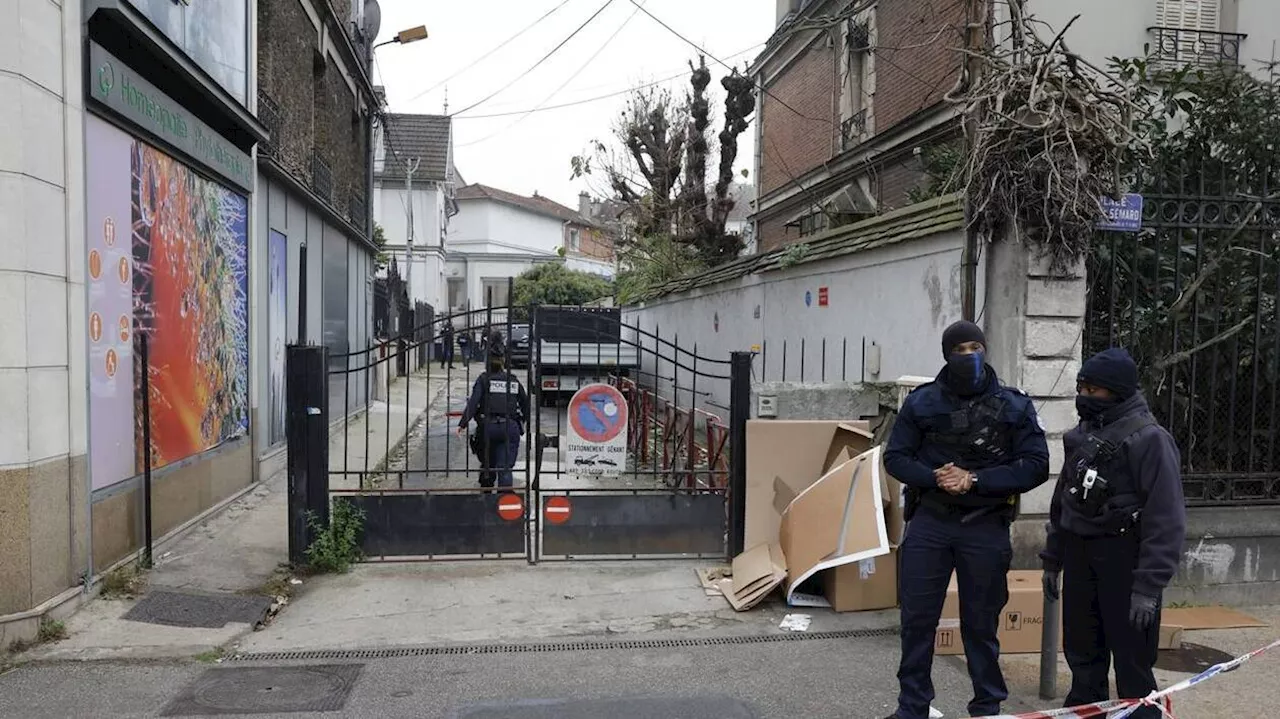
(725, 65)
(492, 50)
(562, 86)
(596, 98)
(544, 58)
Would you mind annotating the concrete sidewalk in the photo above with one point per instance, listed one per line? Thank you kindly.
(241, 550)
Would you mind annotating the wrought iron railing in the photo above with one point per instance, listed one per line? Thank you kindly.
(356, 209)
(852, 130)
(272, 120)
(1177, 47)
(1195, 297)
(321, 178)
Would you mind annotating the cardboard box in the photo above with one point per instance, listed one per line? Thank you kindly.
(836, 521)
(786, 457)
(866, 584)
(1021, 622)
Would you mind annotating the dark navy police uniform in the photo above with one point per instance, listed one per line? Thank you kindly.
(993, 432)
(1117, 524)
(500, 406)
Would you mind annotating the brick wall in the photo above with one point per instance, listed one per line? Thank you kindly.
(285, 75)
(594, 243)
(915, 62)
(317, 108)
(794, 145)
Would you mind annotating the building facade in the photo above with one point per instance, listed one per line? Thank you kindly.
(164, 175)
(499, 234)
(856, 91)
(414, 186)
(314, 177)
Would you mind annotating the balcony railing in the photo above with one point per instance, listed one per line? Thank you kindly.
(321, 178)
(355, 210)
(272, 120)
(852, 129)
(1178, 47)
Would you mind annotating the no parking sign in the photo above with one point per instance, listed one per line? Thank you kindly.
(597, 431)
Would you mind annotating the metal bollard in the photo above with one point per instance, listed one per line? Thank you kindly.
(1049, 649)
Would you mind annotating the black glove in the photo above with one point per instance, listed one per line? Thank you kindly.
(1052, 585)
(1142, 610)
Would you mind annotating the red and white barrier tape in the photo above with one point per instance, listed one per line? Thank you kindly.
(1161, 699)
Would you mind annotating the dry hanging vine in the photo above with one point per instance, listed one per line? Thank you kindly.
(1052, 132)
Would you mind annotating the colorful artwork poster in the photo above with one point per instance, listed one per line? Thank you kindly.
(190, 298)
(109, 277)
(277, 317)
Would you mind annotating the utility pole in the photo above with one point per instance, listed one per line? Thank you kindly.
(977, 29)
(411, 166)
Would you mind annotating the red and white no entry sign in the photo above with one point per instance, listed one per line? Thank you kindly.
(558, 510)
(510, 507)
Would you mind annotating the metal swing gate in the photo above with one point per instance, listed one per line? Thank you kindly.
(376, 429)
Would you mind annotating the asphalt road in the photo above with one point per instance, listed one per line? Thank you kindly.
(840, 679)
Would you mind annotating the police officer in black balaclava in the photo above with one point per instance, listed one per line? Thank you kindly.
(1117, 523)
(500, 407)
(965, 446)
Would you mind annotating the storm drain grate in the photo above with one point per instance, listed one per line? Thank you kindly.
(546, 647)
(206, 611)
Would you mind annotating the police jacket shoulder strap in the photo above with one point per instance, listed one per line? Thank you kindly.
(1102, 445)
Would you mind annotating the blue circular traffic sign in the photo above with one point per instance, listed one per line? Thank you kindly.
(598, 413)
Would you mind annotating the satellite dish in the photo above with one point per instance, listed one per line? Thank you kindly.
(372, 19)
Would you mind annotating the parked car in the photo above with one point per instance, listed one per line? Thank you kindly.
(518, 346)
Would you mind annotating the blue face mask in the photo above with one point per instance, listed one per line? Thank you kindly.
(967, 370)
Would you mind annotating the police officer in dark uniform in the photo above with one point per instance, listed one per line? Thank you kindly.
(500, 407)
(965, 446)
(1117, 523)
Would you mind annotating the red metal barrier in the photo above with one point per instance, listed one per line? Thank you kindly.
(690, 458)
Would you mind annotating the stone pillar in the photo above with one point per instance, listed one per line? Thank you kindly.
(1034, 320)
(44, 500)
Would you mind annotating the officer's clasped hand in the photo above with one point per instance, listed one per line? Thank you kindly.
(953, 479)
(1142, 610)
(1052, 585)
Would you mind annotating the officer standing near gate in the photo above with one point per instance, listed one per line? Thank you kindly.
(1117, 523)
(500, 407)
(965, 446)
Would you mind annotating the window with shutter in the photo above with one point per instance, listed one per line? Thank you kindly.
(1190, 32)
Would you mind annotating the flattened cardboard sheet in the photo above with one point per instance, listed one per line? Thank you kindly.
(837, 520)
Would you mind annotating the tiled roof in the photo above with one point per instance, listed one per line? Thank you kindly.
(910, 223)
(416, 136)
(537, 203)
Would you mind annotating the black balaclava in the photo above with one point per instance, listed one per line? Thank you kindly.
(1112, 369)
(966, 373)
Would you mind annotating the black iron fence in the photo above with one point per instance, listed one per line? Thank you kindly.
(1193, 296)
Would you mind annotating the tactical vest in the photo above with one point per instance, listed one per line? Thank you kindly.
(1099, 484)
(975, 438)
(501, 396)
(973, 433)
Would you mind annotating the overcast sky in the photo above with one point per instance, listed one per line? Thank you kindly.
(527, 153)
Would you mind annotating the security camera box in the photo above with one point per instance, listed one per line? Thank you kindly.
(1021, 622)
(786, 457)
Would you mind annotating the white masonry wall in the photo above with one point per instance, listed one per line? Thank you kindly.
(44, 426)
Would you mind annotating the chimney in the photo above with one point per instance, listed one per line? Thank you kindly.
(584, 204)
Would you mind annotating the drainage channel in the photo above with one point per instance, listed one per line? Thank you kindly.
(547, 647)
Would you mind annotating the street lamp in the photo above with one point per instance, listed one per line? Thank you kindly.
(404, 37)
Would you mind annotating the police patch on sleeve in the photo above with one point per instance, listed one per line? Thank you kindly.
(1040, 423)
